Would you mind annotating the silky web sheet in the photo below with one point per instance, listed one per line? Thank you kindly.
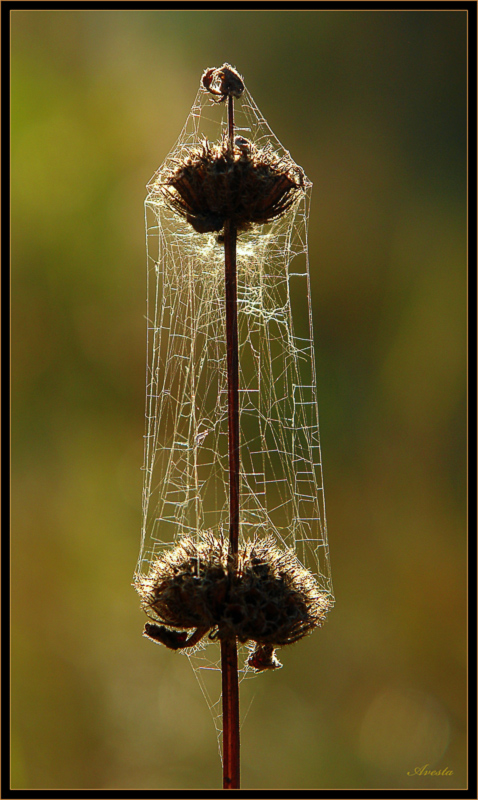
(186, 475)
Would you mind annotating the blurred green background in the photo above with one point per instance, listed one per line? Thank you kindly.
(373, 105)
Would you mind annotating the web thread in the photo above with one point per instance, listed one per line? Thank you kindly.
(185, 487)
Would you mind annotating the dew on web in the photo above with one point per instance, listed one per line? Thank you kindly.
(186, 469)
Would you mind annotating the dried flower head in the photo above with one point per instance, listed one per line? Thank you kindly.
(243, 183)
(268, 598)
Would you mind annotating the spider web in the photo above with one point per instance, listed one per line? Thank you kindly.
(185, 489)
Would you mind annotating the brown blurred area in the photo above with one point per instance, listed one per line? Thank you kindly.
(373, 105)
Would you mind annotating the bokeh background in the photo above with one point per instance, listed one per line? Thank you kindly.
(373, 105)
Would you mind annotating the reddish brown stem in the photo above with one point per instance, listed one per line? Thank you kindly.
(230, 682)
(232, 383)
(230, 119)
(230, 716)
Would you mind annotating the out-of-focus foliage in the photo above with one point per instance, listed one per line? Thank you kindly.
(373, 105)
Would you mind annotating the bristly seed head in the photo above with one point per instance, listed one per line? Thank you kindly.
(267, 597)
(243, 183)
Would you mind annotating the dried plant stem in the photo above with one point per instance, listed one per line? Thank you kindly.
(230, 682)
(230, 716)
(232, 384)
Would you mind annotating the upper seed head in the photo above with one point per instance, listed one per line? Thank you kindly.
(243, 183)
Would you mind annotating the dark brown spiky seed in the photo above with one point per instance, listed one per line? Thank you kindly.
(242, 183)
(269, 598)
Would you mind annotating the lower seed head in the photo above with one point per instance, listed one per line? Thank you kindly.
(270, 598)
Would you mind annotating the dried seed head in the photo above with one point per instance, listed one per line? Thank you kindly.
(224, 81)
(269, 598)
(242, 183)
